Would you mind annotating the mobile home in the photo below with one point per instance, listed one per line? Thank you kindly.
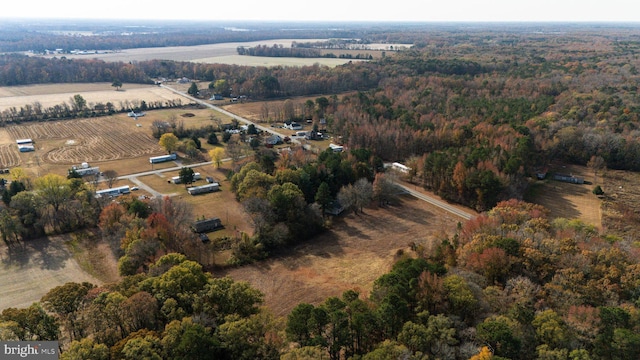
(202, 189)
(162, 158)
(116, 191)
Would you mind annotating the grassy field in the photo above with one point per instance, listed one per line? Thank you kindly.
(357, 250)
(571, 201)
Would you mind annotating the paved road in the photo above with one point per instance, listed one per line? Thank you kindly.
(439, 203)
(134, 177)
(232, 115)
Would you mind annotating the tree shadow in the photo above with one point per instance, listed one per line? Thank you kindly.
(41, 252)
(48, 254)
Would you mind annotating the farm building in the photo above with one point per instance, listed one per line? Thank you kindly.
(202, 226)
(176, 179)
(113, 191)
(202, 189)
(26, 148)
(162, 158)
(24, 141)
(568, 178)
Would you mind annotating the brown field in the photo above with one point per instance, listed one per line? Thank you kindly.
(357, 250)
(570, 201)
(110, 142)
(56, 94)
(621, 203)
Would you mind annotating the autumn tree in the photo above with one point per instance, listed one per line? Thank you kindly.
(32, 323)
(64, 301)
(169, 142)
(85, 348)
(56, 193)
(216, 155)
(356, 196)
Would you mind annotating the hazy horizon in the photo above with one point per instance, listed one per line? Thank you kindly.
(509, 11)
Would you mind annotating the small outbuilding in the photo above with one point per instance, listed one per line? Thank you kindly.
(207, 225)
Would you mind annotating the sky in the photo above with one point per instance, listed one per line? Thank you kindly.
(332, 10)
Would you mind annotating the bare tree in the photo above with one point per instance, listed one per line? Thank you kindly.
(234, 150)
(265, 111)
(111, 176)
(356, 196)
(596, 163)
(384, 188)
(92, 179)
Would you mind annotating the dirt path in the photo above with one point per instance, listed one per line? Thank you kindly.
(29, 272)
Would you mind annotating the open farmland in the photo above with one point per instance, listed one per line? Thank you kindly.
(223, 53)
(51, 95)
(91, 140)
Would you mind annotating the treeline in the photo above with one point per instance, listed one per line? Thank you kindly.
(77, 107)
(300, 52)
(286, 196)
(257, 82)
(25, 70)
(510, 284)
(278, 51)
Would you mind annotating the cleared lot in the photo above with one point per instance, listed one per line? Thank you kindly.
(29, 272)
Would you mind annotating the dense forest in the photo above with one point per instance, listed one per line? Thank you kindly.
(474, 114)
(510, 284)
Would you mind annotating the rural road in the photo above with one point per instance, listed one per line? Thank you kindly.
(232, 115)
(430, 199)
(439, 203)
